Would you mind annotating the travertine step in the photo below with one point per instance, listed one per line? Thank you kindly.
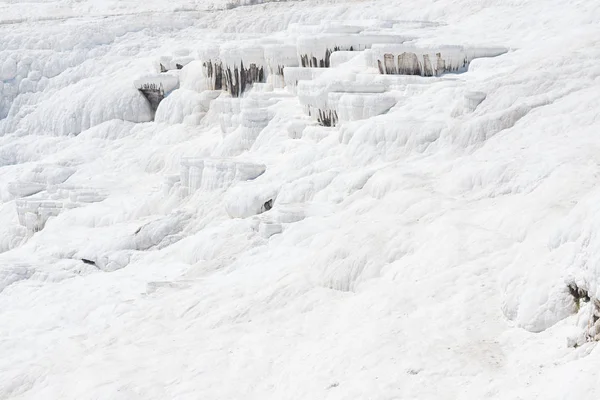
(34, 211)
(325, 101)
(315, 50)
(407, 59)
(216, 173)
(278, 57)
(156, 87)
(243, 64)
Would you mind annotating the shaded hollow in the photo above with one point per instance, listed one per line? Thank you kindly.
(153, 93)
(239, 79)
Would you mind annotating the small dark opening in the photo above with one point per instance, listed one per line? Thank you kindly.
(268, 205)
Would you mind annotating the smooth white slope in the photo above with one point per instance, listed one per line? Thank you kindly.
(431, 262)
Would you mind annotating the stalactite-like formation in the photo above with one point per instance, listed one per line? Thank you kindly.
(214, 72)
(428, 60)
(240, 78)
(313, 62)
(410, 64)
(327, 117)
(277, 57)
(154, 93)
(390, 65)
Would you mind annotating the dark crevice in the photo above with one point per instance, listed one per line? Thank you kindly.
(578, 293)
(327, 118)
(214, 71)
(154, 94)
(239, 79)
(268, 205)
(325, 62)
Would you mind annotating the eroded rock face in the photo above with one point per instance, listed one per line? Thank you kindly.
(240, 78)
(307, 60)
(213, 69)
(156, 87)
(243, 64)
(590, 306)
(411, 64)
(427, 60)
(325, 117)
(315, 51)
(154, 94)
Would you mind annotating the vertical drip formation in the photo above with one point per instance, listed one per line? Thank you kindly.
(311, 61)
(278, 57)
(411, 64)
(427, 61)
(213, 70)
(326, 118)
(239, 79)
(243, 65)
(155, 88)
(154, 93)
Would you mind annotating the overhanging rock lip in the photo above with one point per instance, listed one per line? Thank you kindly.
(156, 87)
(167, 81)
(471, 52)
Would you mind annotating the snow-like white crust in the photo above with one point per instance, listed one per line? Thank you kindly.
(217, 173)
(411, 215)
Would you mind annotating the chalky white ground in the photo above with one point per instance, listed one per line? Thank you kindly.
(418, 254)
